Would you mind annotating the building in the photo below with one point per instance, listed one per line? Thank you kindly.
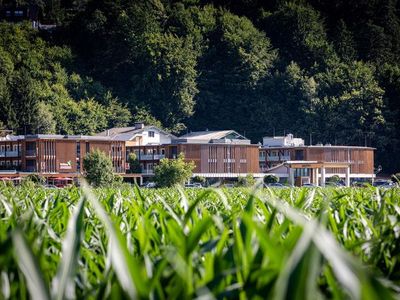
(149, 143)
(55, 155)
(217, 154)
(290, 159)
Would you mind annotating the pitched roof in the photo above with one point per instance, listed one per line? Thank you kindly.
(220, 136)
(127, 133)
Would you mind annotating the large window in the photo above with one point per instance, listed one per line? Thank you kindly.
(299, 154)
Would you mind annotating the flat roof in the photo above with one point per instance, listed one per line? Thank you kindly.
(318, 146)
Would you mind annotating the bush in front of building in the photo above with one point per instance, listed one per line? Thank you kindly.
(134, 164)
(246, 181)
(98, 168)
(396, 177)
(35, 178)
(172, 172)
(199, 179)
(333, 179)
(271, 179)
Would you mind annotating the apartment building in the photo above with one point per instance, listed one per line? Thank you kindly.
(217, 154)
(55, 155)
(149, 143)
(290, 159)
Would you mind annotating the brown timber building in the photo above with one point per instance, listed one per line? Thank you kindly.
(55, 155)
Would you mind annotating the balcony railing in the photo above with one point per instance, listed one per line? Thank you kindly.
(30, 153)
(9, 154)
(148, 172)
(277, 158)
(150, 156)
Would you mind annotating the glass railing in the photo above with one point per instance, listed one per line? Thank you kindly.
(150, 156)
(9, 154)
(30, 152)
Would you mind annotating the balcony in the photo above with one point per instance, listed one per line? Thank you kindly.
(9, 154)
(30, 153)
(30, 169)
(277, 158)
(150, 156)
(148, 172)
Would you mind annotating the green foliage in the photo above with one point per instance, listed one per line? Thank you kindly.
(334, 179)
(134, 164)
(199, 179)
(396, 177)
(247, 181)
(326, 68)
(35, 178)
(170, 244)
(172, 172)
(271, 179)
(98, 168)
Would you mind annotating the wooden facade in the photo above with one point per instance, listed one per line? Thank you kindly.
(218, 158)
(58, 154)
(361, 159)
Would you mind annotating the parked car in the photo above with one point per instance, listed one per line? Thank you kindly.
(150, 185)
(385, 184)
(195, 185)
(275, 185)
(229, 185)
(309, 185)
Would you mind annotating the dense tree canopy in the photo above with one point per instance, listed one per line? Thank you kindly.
(329, 69)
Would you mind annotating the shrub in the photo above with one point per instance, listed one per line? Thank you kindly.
(199, 179)
(246, 181)
(334, 179)
(396, 177)
(35, 178)
(173, 171)
(98, 168)
(271, 178)
(134, 165)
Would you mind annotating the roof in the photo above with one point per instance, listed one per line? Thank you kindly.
(58, 137)
(318, 146)
(127, 133)
(11, 138)
(221, 136)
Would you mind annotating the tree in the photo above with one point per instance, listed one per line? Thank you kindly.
(236, 59)
(171, 172)
(270, 179)
(199, 179)
(247, 181)
(98, 168)
(134, 165)
(44, 121)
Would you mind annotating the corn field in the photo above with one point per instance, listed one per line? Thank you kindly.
(132, 243)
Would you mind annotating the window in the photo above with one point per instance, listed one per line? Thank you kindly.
(299, 155)
(87, 147)
(18, 13)
(151, 133)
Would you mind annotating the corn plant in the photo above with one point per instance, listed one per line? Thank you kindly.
(212, 244)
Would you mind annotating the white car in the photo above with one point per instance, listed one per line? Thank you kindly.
(150, 185)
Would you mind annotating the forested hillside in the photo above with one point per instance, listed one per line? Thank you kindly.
(319, 68)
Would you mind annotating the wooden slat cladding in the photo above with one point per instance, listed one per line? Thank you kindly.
(361, 159)
(220, 158)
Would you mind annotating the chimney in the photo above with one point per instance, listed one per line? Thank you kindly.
(139, 125)
(108, 132)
